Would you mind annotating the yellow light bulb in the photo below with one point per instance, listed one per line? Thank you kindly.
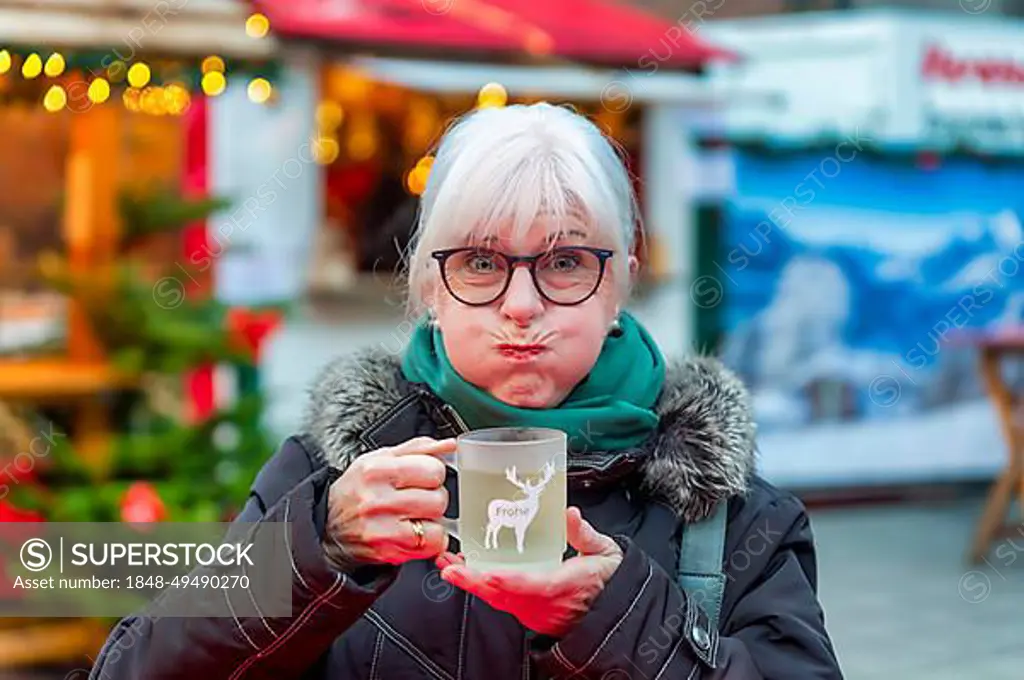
(99, 91)
(326, 150)
(131, 99)
(54, 65)
(214, 83)
(32, 67)
(5, 61)
(213, 63)
(138, 75)
(361, 145)
(257, 26)
(259, 90)
(416, 180)
(176, 99)
(329, 115)
(55, 99)
(152, 101)
(492, 95)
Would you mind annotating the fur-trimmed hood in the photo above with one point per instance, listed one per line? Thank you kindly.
(703, 452)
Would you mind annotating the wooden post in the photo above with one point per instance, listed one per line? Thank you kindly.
(91, 233)
(83, 345)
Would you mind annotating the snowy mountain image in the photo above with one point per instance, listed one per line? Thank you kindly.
(845, 289)
(845, 314)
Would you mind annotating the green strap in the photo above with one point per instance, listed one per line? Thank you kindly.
(701, 554)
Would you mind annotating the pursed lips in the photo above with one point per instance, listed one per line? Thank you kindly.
(525, 351)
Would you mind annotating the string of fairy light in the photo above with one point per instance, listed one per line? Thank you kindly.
(142, 91)
(80, 79)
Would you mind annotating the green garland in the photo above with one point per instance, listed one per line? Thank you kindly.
(164, 69)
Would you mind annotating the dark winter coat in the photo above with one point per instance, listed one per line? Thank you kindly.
(395, 623)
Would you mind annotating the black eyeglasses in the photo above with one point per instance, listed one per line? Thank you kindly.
(567, 275)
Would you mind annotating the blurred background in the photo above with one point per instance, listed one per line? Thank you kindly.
(204, 201)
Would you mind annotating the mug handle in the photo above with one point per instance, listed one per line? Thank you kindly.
(450, 524)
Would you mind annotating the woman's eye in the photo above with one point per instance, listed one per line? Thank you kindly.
(564, 263)
(481, 264)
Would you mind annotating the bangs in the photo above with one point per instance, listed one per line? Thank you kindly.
(508, 201)
(505, 187)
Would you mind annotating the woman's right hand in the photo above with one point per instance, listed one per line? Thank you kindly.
(370, 506)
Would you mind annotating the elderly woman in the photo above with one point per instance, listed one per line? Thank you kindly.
(518, 271)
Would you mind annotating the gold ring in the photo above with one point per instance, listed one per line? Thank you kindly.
(417, 528)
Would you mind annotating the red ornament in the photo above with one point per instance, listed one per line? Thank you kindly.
(142, 503)
(249, 329)
(23, 468)
(12, 537)
(9, 513)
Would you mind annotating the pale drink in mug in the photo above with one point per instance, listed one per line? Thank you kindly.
(512, 498)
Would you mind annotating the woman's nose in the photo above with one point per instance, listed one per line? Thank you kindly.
(522, 302)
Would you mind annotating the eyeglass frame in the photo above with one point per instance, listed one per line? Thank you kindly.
(442, 256)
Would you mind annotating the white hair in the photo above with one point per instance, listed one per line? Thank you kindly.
(509, 166)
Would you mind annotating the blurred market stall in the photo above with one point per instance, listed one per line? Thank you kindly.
(386, 80)
(103, 164)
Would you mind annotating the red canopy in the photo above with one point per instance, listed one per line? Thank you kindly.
(387, 23)
(607, 32)
(594, 31)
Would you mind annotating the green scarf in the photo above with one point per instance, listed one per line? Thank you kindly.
(610, 410)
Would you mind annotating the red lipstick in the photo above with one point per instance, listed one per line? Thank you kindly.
(521, 352)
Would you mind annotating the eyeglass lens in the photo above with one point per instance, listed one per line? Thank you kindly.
(565, 275)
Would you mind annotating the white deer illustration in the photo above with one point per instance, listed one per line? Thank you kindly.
(518, 514)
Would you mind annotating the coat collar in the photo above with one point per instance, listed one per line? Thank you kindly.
(703, 451)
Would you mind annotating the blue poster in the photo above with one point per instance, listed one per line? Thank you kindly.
(849, 282)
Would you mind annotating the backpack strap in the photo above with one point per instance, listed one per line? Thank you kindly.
(701, 554)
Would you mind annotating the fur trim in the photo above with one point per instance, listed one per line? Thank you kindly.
(350, 395)
(704, 451)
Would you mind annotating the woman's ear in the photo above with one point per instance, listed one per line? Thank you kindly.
(430, 297)
(634, 266)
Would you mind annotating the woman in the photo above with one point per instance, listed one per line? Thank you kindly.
(519, 268)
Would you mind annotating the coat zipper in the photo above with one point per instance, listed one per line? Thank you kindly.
(526, 658)
(459, 422)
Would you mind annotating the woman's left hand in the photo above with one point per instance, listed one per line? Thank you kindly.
(549, 604)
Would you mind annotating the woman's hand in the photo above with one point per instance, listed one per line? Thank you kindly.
(371, 507)
(550, 604)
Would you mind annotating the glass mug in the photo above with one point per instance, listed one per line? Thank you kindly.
(512, 498)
